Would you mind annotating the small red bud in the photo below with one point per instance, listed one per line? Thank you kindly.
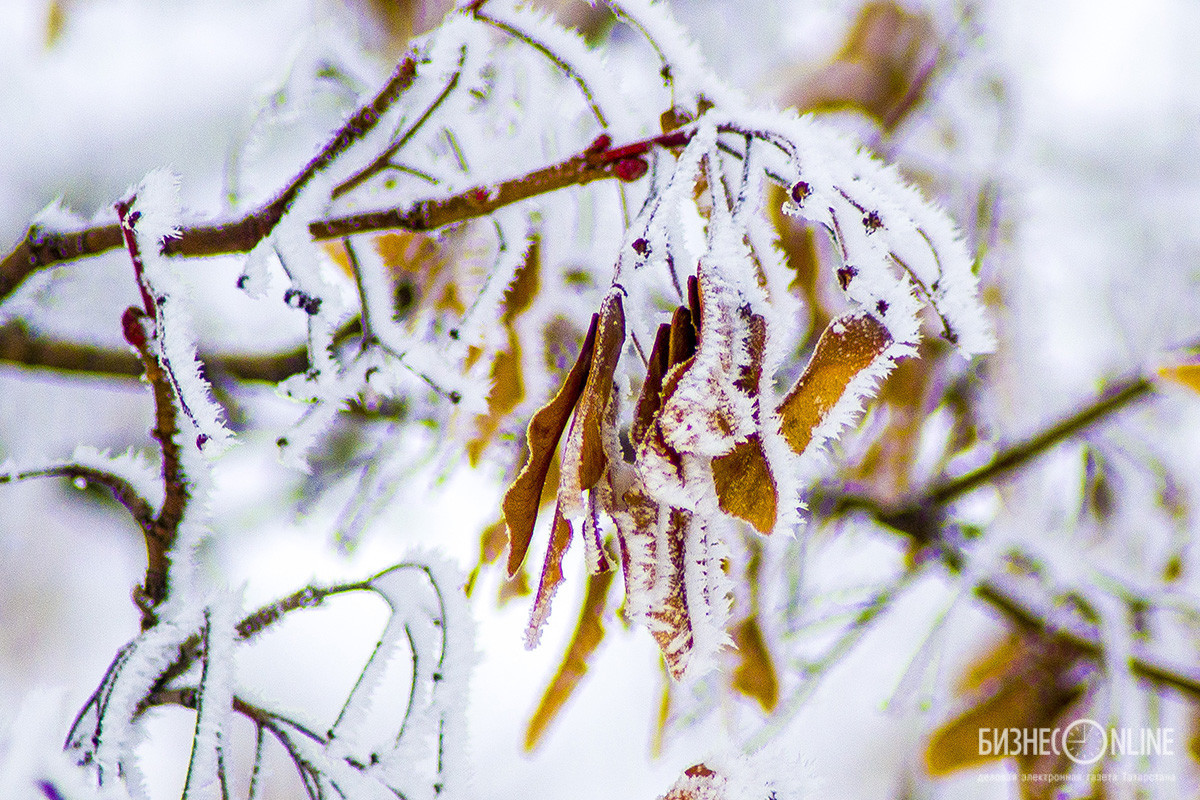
(131, 326)
(630, 169)
(602, 143)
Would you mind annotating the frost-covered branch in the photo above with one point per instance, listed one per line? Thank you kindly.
(42, 249)
(161, 534)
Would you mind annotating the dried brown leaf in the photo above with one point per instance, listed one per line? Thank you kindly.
(685, 336)
(849, 345)
(671, 624)
(545, 428)
(589, 633)
(593, 404)
(650, 398)
(756, 345)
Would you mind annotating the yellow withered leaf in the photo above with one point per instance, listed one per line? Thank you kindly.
(755, 674)
(522, 499)
(745, 485)
(589, 633)
(1185, 374)
(849, 345)
(1020, 684)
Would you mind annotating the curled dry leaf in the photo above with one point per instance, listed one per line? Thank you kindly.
(552, 576)
(523, 498)
(584, 458)
(670, 620)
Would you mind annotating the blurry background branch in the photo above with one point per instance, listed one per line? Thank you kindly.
(923, 519)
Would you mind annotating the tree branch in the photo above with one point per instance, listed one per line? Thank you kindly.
(596, 163)
(20, 346)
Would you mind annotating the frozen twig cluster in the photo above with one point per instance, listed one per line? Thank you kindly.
(596, 300)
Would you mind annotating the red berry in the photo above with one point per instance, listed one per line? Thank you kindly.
(630, 169)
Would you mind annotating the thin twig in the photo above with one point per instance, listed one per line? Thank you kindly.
(160, 536)
(1016, 456)
(122, 490)
(477, 12)
(593, 164)
(383, 160)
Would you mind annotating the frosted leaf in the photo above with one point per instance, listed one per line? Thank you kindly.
(708, 414)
